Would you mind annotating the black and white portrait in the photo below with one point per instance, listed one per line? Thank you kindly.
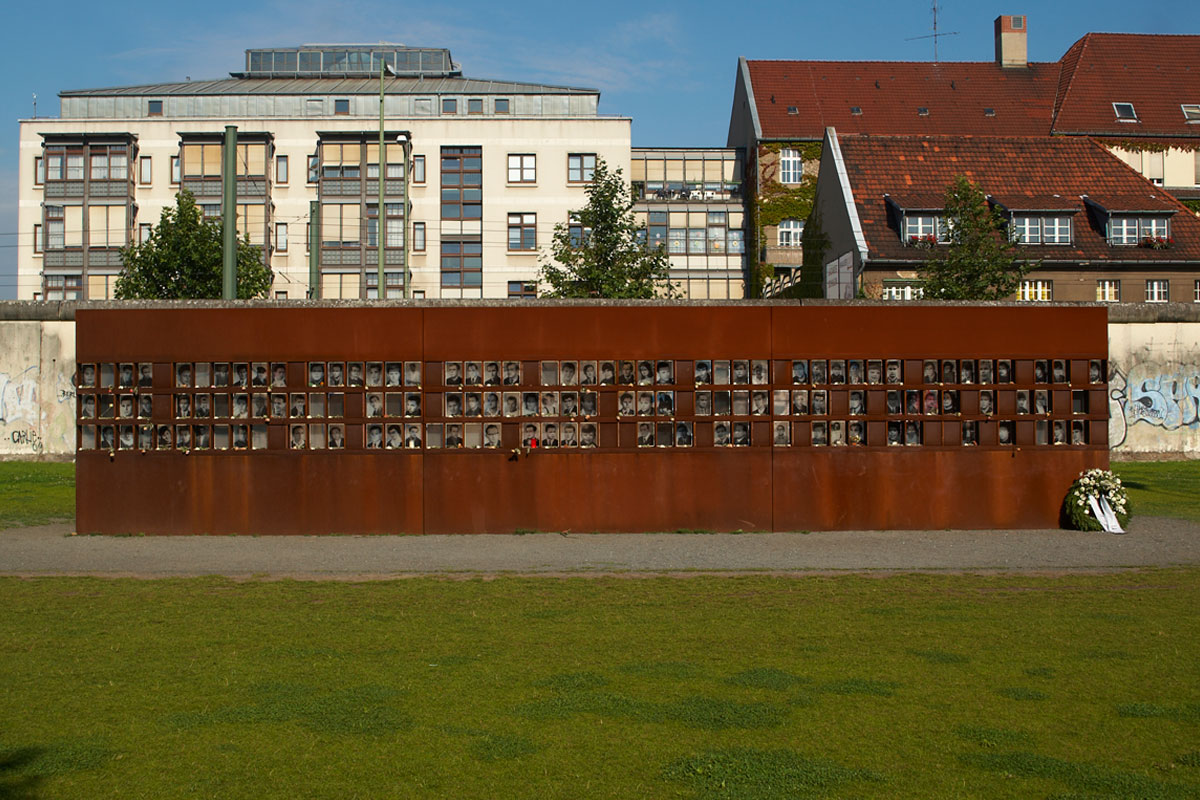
(1078, 432)
(799, 372)
(683, 434)
(741, 372)
(1060, 431)
(491, 435)
(412, 404)
(183, 375)
(760, 372)
(1096, 371)
(491, 404)
(201, 437)
(929, 371)
(241, 376)
(874, 372)
(1041, 371)
(966, 371)
(628, 374)
(316, 373)
(512, 404)
(854, 372)
(986, 375)
(703, 373)
(278, 376)
(512, 373)
(454, 435)
(183, 436)
(987, 403)
(529, 404)
(374, 405)
(125, 376)
(645, 373)
(260, 374)
(912, 433)
(472, 404)
(1023, 402)
(454, 405)
(820, 434)
(412, 373)
(549, 404)
(703, 404)
(279, 406)
(837, 433)
(608, 373)
(452, 374)
(820, 405)
(491, 373)
(549, 435)
(337, 437)
(569, 434)
(374, 373)
(588, 435)
(894, 371)
(759, 403)
(837, 371)
(949, 371)
(146, 375)
(393, 373)
(1004, 371)
(970, 433)
(856, 434)
(355, 374)
(1059, 370)
(240, 436)
(895, 402)
(858, 405)
(950, 401)
(799, 401)
(1006, 433)
(645, 434)
(201, 406)
(375, 437)
(337, 377)
(721, 436)
(87, 405)
(412, 436)
(645, 404)
(818, 372)
(895, 433)
(220, 375)
(1041, 402)
(299, 406)
(569, 405)
(146, 437)
(126, 438)
(664, 373)
(589, 404)
(125, 406)
(568, 374)
(781, 434)
(164, 437)
(472, 374)
(741, 434)
(588, 374)
(665, 403)
(931, 402)
(183, 406)
(395, 437)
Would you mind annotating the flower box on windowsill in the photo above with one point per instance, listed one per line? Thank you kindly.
(922, 242)
(1158, 242)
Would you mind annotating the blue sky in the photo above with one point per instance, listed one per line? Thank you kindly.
(669, 66)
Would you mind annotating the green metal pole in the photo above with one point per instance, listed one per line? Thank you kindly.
(379, 216)
(229, 214)
(314, 250)
(407, 211)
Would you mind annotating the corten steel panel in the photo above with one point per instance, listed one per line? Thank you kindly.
(703, 490)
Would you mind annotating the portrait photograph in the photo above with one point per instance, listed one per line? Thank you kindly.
(183, 436)
(895, 401)
(220, 375)
(472, 404)
(201, 406)
(1041, 401)
(760, 372)
(220, 437)
(355, 375)
(894, 371)
(837, 433)
(683, 434)
(529, 404)
(569, 405)
(316, 437)
(837, 371)
(874, 372)
(258, 436)
(125, 376)
(412, 436)
(568, 374)
(645, 434)
(569, 434)
(627, 375)
(183, 375)
(164, 438)
(818, 371)
(1059, 371)
(106, 409)
(126, 439)
(966, 371)
(491, 404)
(820, 434)
(1060, 431)
(1041, 432)
(799, 372)
(741, 372)
(491, 436)
(107, 440)
(987, 402)
(929, 371)
(1004, 371)
(589, 437)
(240, 436)
(375, 437)
(741, 434)
(781, 434)
(949, 371)
(856, 434)
(146, 375)
(665, 403)
(393, 373)
(721, 373)
(645, 404)
(393, 404)
(491, 373)
(512, 373)
(912, 433)
(1041, 371)
(950, 401)
(433, 436)
(549, 435)
(452, 374)
(374, 406)
(589, 404)
(278, 376)
(87, 405)
(183, 406)
(664, 373)
(549, 373)
(703, 404)
(279, 406)
(549, 404)
(337, 437)
(820, 402)
(1023, 401)
(299, 406)
(895, 433)
(931, 404)
(589, 374)
(454, 437)
(241, 376)
(854, 372)
(858, 405)
(412, 404)
(316, 407)
(741, 402)
(799, 401)
(760, 404)
(608, 373)
(1078, 432)
(512, 404)
(702, 373)
(1096, 371)
(201, 437)
(336, 375)
(298, 440)
(645, 373)
(664, 434)
(1006, 433)
(335, 405)
(260, 374)
(986, 375)
(412, 373)
(374, 373)
(721, 437)
(453, 405)
(781, 402)
(125, 406)
(146, 437)
(970, 433)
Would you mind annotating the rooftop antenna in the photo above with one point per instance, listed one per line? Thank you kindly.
(35, 105)
(933, 35)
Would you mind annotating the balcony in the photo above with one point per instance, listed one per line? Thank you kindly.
(686, 192)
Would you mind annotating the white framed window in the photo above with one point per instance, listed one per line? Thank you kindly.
(737, 242)
(696, 241)
(677, 240)
(920, 226)
(791, 166)
(175, 170)
(281, 169)
(1125, 112)
(791, 231)
(1026, 229)
(1056, 230)
(1153, 227)
(1191, 111)
(1152, 163)
(522, 168)
(1196, 292)
(1123, 230)
(903, 290)
(1108, 290)
(1036, 291)
(281, 237)
(1158, 290)
(144, 232)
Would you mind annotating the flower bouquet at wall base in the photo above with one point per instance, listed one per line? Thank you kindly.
(1097, 502)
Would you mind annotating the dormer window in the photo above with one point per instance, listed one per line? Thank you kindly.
(1148, 231)
(924, 230)
(793, 110)
(1040, 229)
(922, 111)
(1125, 112)
(1191, 112)
(989, 112)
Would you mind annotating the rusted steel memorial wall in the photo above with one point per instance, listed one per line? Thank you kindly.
(635, 417)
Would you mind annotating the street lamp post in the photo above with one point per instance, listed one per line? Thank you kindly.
(380, 216)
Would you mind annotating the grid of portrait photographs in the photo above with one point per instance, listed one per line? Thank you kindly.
(589, 404)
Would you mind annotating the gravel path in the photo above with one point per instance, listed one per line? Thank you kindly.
(53, 550)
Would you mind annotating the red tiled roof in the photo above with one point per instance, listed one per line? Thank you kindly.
(1025, 171)
(889, 94)
(1157, 73)
(1029, 201)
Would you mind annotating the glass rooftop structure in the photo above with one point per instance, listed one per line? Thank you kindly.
(316, 60)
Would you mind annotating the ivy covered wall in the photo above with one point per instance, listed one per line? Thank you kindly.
(775, 201)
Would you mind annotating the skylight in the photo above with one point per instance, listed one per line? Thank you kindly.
(1125, 112)
(793, 110)
(989, 112)
(1191, 112)
(922, 111)
(856, 110)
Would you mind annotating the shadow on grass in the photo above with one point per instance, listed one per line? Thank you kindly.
(1185, 713)
(752, 774)
(1080, 777)
(24, 770)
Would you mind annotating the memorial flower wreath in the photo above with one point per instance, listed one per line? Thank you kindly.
(1102, 485)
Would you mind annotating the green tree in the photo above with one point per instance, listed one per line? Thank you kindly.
(981, 263)
(607, 255)
(181, 260)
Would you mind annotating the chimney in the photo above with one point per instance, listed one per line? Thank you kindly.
(1011, 48)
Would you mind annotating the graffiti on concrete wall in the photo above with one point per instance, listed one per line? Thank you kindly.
(20, 410)
(1154, 395)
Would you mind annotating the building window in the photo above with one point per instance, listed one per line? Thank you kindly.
(341, 160)
(462, 183)
(393, 224)
(920, 228)
(501, 105)
(522, 289)
(64, 287)
(1153, 228)
(737, 243)
(791, 231)
(1026, 230)
(576, 233)
(475, 105)
(1108, 290)
(580, 167)
(1056, 230)
(696, 241)
(37, 238)
(1036, 291)
(677, 241)
(1125, 112)
(1158, 291)
(54, 165)
(1123, 230)
(522, 168)
(109, 163)
(341, 105)
(281, 169)
(1196, 292)
(281, 295)
(154, 108)
(423, 106)
(903, 290)
(314, 169)
(791, 166)
(522, 231)
(462, 264)
(39, 171)
(656, 230)
(418, 169)
(341, 225)
(394, 281)
(55, 228)
(144, 230)
(281, 237)
(449, 105)
(145, 171)
(1191, 112)
(107, 226)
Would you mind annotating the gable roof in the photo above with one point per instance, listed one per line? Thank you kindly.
(1021, 173)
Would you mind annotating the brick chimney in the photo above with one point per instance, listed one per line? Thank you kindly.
(1011, 46)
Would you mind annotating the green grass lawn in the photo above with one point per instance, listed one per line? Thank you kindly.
(930, 686)
(34, 493)
(1162, 489)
